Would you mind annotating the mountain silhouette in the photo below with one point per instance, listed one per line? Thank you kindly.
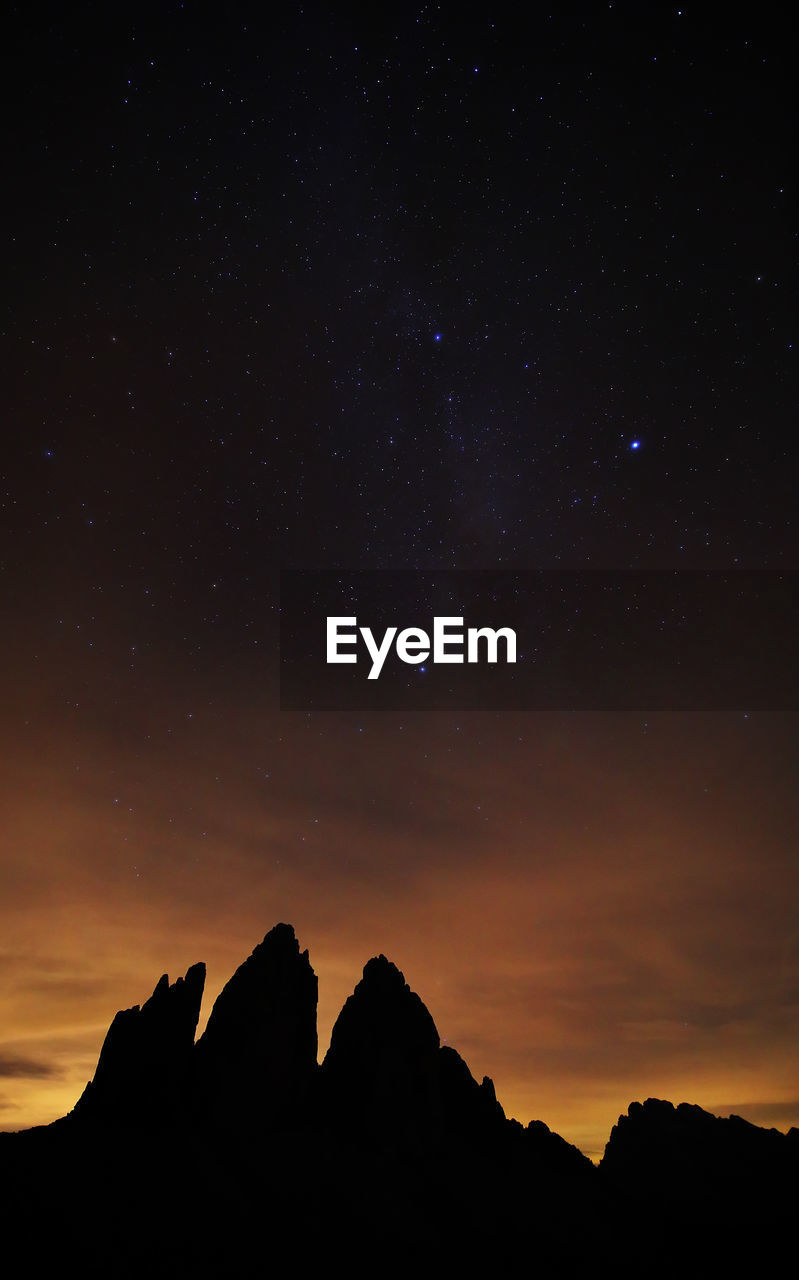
(255, 1063)
(146, 1055)
(238, 1151)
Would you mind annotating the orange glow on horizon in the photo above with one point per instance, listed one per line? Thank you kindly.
(583, 939)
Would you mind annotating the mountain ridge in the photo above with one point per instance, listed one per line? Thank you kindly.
(389, 1139)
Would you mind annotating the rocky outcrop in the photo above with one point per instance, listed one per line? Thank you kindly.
(380, 1077)
(144, 1065)
(547, 1150)
(470, 1111)
(388, 1086)
(684, 1156)
(256, 1061)
(391, 1146)
(386, 1081)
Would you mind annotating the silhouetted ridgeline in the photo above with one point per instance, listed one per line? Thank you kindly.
(239, 1152)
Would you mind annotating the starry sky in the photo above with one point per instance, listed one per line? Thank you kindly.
(423, 288)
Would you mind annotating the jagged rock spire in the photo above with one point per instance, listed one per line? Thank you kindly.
(143, 1068)
(257, 1057)
(386, 1082)
(380, 1077)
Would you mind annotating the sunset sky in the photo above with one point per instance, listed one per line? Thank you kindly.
(332, 290)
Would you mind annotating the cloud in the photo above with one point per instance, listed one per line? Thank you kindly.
(14, 1066)
(66, 988)
(762, 1113)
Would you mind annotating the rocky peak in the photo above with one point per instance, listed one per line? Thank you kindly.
(145, 1060)
(257, 1057)
(685, 1154)
(382, 1016)
(470, 1110)
(380, 1075)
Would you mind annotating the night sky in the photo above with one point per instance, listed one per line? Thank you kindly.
(420, 288)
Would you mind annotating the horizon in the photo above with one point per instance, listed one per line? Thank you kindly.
(593, 1150)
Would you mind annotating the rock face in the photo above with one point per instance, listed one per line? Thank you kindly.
(240, 1146)
(379, 1079)
(386, 1082)
(387, 1085)
(386, 1079)
(684, 1155)
(143, 1069)
(470, 1111)
(550, 1151)
(256, 1061)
